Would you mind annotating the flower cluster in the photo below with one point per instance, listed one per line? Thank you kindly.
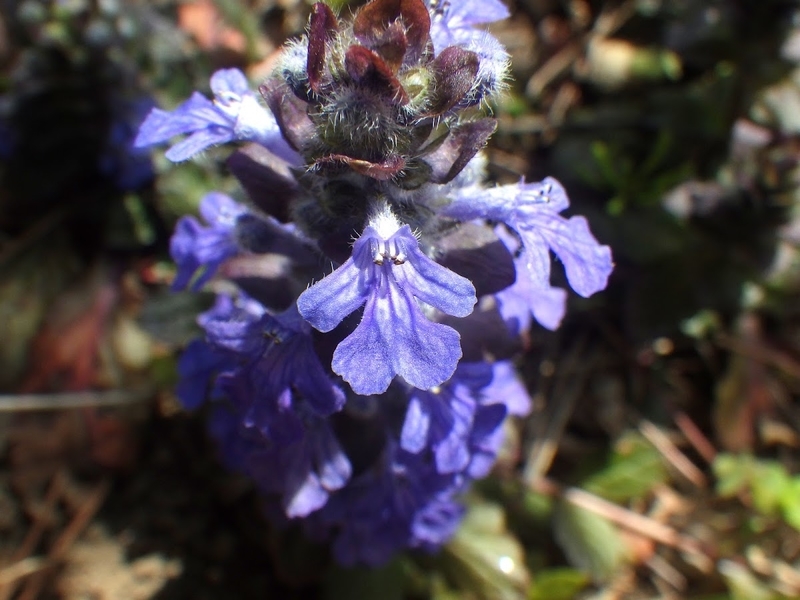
(350, 378)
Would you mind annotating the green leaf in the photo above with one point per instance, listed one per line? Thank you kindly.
(383, 583)
(742, 584)
(484, 558)
(658, 154)
(634, 469)
(558, 584)
(605, 162)
(590, 542)
(733, 473)
(790, 503)
(769, 485)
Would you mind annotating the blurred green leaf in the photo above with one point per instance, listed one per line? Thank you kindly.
(382, 583)
(610, 169)
(770, 485)
(485, 558)
(655, 64)
(590, 542)
(558, 584)
(790, 503)
(441, 591)
(773, 490)
(742, 584)
(733, 473)
(634, 468)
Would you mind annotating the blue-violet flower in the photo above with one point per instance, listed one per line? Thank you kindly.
(234, 114)
(387, 273)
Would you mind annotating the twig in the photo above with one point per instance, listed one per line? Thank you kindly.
(81, 519)
(33, 586)
(35, 532)
(555, 65)
(543, 451)
(39, 525)
(667, 572)
(672, 454)
(695, 437)
(22, 568)
(644, 526)
(757, 351)
(67, 400)
(605, 25)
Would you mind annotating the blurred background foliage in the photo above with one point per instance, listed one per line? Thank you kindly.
(663, 454)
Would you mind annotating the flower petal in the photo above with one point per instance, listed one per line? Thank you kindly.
(434, 284)
(197, 142)
(587, 263)
(326, 303)
(226, 81)
(181, 248)
(161, 125)
(414, 435)
(394, 338)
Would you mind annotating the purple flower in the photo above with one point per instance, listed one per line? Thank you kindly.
(279, 366)
(378, 469)
(198, 364)
(456, 420)
(507, 388)
(279, 395)
(486, 438)
(435, 523)
(303, 472)
(389, 274)
(194, 246)
(531, 209)
(233, 115)
(517, 302)
(441, 418)
(453, 21)
(402, 502)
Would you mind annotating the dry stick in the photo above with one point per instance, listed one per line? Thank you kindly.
(21, 568)
(565, 97)
(543, 451)
(623, 517)
(695, 437)
(658, 565)
(34, 402)
(33, 586)
(36, 530)
(674, 456)
(760, 353)
(606, 24)
(555, 65)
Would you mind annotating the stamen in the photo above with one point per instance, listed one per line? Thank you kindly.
(273, 336)
(378, 248)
